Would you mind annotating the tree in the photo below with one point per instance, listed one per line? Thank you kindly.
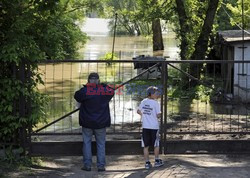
(157, 31)
(31, 31)
(201, 44)
(157, 35)
(196, 19)
(184, 27)
(203, 39)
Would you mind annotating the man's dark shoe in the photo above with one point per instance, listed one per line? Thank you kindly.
(86, 168)
(101, 169)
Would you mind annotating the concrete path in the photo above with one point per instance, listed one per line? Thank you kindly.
(221, 166)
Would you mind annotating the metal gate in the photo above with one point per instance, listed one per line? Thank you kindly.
(203, 110)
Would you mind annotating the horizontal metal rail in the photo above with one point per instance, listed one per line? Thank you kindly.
(205, 132)
(145, 61)
(79, 133)
(136, 133)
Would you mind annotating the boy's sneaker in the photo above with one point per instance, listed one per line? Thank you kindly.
(158, 163)
(148, 165)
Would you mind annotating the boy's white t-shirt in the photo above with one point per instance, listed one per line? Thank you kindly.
(149, 109)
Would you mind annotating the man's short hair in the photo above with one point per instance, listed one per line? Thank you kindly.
(93, 78)
(152, 90)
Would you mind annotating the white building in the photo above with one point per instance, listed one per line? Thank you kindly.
(237, 76)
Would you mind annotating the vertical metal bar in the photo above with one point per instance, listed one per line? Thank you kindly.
(79, 76)
(206, 113)
(238, 100)
(79, 130)
(113, 46)
(29, 75)
(197, 115)
(246, 98)
(243, 35)
(222, 115)
(132, 104)
(119, 82)
(45, 87)
(114, 95)
(165, 77)
(131, 76)
(222, 123)
(62, 96)
(162, 143)
(214, 111)
(230, 123)
(88, 69)
(106, 73)
(14, 78)
(22, 105)
(123, 98)
(54, 99)
(71, 95)
(45, 78)
(97, 67)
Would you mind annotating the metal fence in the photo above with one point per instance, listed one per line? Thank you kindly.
(202, 100)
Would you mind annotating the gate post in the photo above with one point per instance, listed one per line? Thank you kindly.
(163, 106)
(24, 75)
(28, 109)
(22, 130)
(165, 82)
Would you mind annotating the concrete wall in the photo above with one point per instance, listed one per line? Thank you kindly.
(242, 72)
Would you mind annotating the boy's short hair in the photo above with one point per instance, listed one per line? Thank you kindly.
(152, 90)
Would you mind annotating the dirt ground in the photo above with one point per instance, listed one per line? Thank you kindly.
(221, 166)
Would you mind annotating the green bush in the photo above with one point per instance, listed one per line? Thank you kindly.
(31, 31)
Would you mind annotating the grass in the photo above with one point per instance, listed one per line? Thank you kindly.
(22, 165)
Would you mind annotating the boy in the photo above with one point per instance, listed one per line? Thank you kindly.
(149, 110)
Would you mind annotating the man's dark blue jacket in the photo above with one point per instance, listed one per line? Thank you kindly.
(94, 110)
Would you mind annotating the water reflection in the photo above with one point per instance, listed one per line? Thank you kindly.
(127, 47)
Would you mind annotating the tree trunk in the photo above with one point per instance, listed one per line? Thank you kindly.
(183, 28)
(202, 42)
(157, 35)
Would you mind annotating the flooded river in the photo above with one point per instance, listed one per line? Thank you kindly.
(62, 80)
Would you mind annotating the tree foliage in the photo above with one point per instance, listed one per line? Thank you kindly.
(128, 21)
(236, 11)
(223, 16)
(135, 17)
(190, 14)
(31, 31)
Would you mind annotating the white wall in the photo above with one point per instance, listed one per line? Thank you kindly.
(242, 82)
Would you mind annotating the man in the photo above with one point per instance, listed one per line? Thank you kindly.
(94, 117)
